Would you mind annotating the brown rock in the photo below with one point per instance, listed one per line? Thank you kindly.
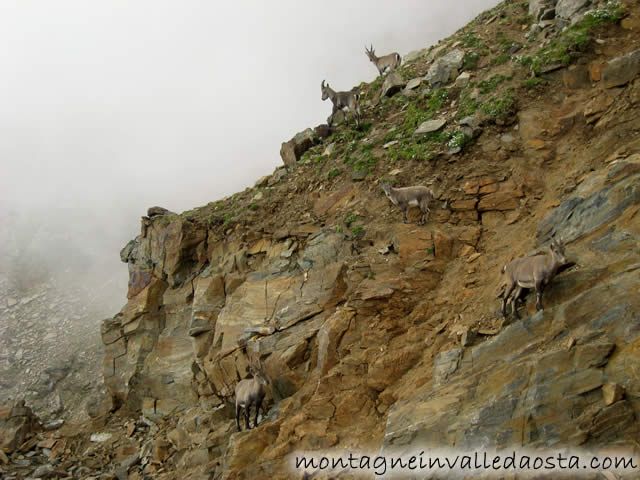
(595, 71)
(611, 393)
(576, 76)
(292, 151)
(467, 204)
(500, 201)
(179, 439)
(443, 244)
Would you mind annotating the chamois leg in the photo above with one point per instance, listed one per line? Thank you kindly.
(247, 411)
(238, 416)
(404, 215)
(514, 301)
(258, 404)
(539, 289)
(507, 292)
(424, 210)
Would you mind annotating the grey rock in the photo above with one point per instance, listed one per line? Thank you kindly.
(442, 68)
(430, 126)
(44, 471)
(54, 425)
(593, 205)
(569, 8)
(548, 14)
(463, 79)
(413, 83)
(158, 211)
(278, 175)
(621, 70)
(537, 7)
(359, 175)
(445, 364)
(329, 149)
(393, 83)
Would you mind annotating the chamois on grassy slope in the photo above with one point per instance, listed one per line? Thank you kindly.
(349, 101)
(386, 63)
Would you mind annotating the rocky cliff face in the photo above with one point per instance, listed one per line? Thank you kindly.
(384, 335)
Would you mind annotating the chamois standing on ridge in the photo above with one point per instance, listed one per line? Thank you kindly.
(532, 272)
(387, 62)
(417, 196)
(251, 391)
(342, 101)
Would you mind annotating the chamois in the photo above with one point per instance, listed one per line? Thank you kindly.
(387, 62)
(251, 392)
(342, 101)
(532, 272)
(417, 196)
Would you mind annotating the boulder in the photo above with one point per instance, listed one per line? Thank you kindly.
(621, 70)
(567, 9)
(292, 151)
(430, 126)
(444, 67)
(393, 83)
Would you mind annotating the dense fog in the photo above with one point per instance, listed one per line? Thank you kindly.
(111, 107)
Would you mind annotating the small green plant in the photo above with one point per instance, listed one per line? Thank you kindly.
(533, 82)
(458, 140)
(431, 251)
(491, 84)
(499, 108)
(500, 59)
(254, 206)
(357, 229)
(334, 172)
(338, 229)
(371, 276)
(228, 216)
(350, 219)
(469, 40)
(470, 61)
(437, 99)
(466, 105)
(361, 165)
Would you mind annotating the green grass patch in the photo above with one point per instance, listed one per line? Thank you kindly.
(500, 59)
(499, 108)
(334, 172)
(489, 85)
(533, 82)
(470, 61)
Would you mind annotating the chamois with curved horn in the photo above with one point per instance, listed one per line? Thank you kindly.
(386, 63)
(251, 392)
(532, 272)
(349, 101)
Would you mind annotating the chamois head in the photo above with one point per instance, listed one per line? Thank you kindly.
(386, 188)
(259, 375)
(325, 90)
(371, 53)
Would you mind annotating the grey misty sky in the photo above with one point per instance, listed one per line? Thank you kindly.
(115, 106)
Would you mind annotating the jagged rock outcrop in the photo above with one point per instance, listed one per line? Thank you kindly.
(292, 150)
